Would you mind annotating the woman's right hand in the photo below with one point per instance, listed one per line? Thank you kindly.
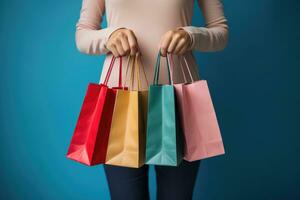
(122, 42)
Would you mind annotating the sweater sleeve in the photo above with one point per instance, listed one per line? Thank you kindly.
(89, 36)
(214, 36)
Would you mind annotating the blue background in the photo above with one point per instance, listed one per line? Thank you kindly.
(254, 83)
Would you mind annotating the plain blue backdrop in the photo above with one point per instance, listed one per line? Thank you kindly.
(254, 84)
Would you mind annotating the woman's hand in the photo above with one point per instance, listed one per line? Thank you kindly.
(175, 41)
(122, 42)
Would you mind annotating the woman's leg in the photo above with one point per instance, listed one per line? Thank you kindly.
(176, 183)
(127, 183)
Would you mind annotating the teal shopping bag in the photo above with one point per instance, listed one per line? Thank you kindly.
(164, 141)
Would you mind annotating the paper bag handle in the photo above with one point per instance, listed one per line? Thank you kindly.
(135, 71)
(157, 69)
(170, 57)
(110, 69)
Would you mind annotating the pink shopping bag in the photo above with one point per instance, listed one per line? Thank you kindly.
(198, 118)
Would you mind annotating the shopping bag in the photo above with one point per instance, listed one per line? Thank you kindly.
(164, 144)
(89, 142)
(126, 146)
(199, 121)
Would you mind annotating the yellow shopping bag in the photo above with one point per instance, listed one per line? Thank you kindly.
(127, 138)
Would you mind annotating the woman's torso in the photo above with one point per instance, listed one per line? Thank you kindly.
(150, 20)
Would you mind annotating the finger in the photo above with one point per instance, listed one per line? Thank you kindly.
(133, 45)
(165, 42)
(119, 48)
(184, 48)
(125, 45)
(174, 42)
(113, 49)
(180, 45)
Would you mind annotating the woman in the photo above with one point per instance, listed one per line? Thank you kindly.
(146, 27)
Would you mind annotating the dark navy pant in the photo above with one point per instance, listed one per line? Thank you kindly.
(173, 183)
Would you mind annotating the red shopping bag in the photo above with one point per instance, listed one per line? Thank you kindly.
(90, 138)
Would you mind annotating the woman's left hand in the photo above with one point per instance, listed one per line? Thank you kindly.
(175, 41)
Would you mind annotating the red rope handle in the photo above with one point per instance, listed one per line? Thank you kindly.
(120, 73)
(110, 70)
